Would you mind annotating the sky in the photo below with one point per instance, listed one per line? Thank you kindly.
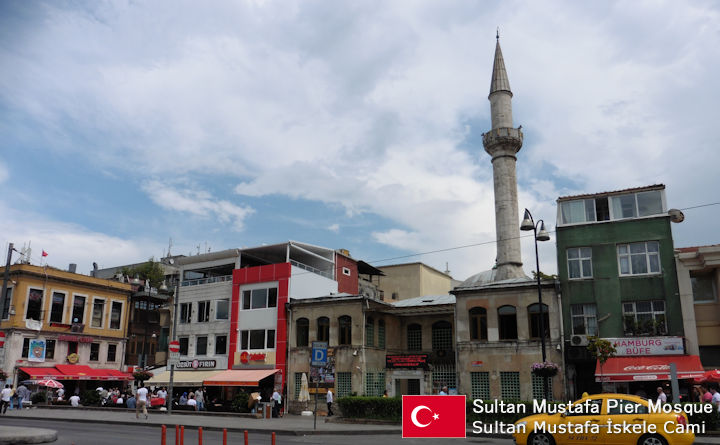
(127, 127)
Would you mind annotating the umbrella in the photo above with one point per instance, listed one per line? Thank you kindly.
(50, 383)
(304, 395)
(712, 376)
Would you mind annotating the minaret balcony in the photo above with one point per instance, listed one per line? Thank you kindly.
(503, 139)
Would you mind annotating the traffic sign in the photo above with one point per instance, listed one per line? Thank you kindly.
(319, 353)
(174, 346)
(174, 358)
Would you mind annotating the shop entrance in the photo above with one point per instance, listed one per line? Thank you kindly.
(408, 387)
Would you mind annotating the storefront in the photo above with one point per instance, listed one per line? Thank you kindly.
(77, 378)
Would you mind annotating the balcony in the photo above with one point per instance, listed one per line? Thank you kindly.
(208, 280)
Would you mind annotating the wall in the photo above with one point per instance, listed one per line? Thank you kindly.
(412, 280)
(346, 283)
(305, 284)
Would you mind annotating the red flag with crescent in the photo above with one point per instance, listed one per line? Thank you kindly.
(433, 416)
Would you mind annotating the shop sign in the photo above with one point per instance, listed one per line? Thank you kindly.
(65, 337)
(643, 346)
(195, 364)
(247, 357)
(406, 361)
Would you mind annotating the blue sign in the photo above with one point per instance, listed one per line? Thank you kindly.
(319, 353)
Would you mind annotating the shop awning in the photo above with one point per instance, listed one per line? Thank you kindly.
(42, 373)
(635, 369)
(240, 377)
(181, 378)
(76, 372)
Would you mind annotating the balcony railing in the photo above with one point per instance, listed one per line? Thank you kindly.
(323, 273)
(208, 280)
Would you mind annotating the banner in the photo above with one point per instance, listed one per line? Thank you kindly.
(36, 351)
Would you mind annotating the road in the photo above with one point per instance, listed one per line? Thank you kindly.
(86, 433)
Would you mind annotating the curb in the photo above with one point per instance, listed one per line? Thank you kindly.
(18, 435)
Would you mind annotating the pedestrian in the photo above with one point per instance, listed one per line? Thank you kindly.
(183, 398)
(131, 401)
(715, 398)
(74, 400)
(23, 394)
(276, 398)
(5, 396)
(443, 391)
(707, 395)
(329, 400)
(162, 393)
(661, 395)
(192, 402)
(200, 399)
(13, 397)
(60, 393)
(141, 401)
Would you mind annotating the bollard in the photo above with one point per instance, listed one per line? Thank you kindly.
(224, 436)
(273, 438)
(163, 435)
(246, 438)
(182, 435)
(200, 436)
(177, 434)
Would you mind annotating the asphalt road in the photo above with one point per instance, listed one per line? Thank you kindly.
(88, 433)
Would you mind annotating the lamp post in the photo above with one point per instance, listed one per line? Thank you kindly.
(539, 234)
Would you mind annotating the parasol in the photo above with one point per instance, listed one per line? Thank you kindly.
(304, 395)
(50, 383)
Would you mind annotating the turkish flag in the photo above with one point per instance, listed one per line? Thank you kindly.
(44, 253)
(433, 416)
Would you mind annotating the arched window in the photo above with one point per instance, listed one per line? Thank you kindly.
(534, 319)
(302, 332)
(323, 329)
(478, 323)
(442, 336)
(345, 330)
(414, 337)
(381, 333)
(369, 331)
(507, 320)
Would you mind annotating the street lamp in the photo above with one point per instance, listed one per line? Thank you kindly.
(528, 223)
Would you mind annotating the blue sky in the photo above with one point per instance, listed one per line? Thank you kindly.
(349, 125)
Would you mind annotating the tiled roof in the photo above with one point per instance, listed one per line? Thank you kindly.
(427, 300)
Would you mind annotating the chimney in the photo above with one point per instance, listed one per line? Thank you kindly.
(72, 267)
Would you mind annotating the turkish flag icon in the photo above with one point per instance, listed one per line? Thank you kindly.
(433, 416)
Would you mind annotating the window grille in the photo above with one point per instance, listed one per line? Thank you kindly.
(414, 337)
(444, 375)
(344, 384)
(480, 385)
(298, 384)
(369, 332)
(442, 336)
(510, 385)
(538, 389)
(381, 333)
(374, 383)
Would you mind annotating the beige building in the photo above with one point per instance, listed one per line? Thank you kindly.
(698, 271)
(410, 280)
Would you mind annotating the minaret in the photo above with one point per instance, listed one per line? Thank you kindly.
(502, 143)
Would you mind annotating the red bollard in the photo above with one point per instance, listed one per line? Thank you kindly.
(182, 435)
(200, 436)
(246, 438)
(273, 438)
(177, 434)
(224, 436)
(163, 435)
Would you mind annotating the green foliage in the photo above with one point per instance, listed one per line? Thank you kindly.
(601, 349)
(240, 402)
(38, 397)
(90, 397)
(544, 276)
(383, 408)
(711, 420)
(150, 270)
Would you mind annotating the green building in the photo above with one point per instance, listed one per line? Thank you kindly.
(618, 281)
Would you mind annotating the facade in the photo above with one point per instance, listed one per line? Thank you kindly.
(59, 323)
(618, 280)
(698, 271)
(410, 280)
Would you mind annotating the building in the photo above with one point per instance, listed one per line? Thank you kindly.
(410, 280)
(698, 270)
(498, 316)
(64, 325)
(618, 281)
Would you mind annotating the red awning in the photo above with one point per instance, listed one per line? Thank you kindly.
(637, 369)
(37, 373)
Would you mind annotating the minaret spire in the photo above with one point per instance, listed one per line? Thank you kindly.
(502, 143)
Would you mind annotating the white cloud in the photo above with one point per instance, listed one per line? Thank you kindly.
(335, 228)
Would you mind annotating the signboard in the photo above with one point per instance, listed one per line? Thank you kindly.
(642, 346)
(195, 364)
(2, 339)
(406, 361)
(247, 357)
(65, 337)
(36, 351)
(174, 346)
(319, 353)
(173, 358)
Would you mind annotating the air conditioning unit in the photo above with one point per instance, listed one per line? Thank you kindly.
(579, 340)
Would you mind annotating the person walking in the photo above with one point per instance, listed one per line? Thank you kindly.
(141, 401)
(200, 399)
(661, 395)
(23, 394)
(5, 396)
(277, 399)
(329, 400)
(74, 400)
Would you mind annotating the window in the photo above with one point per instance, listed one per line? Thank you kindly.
(323, 329)
(302, 332)
(649, 203)
(34, 304)
(507, 319)
(94, 352)
(444, 375)
(8, 303)
(442, 336)
(414, 337)
(346, 271)
(257, 339)
(57, 307)
(579, 262)
(185, 312)
(538, 387)
(584, 210)
(78, 314)
(50, 349)
(480, 385)
(510, 385)
(369, 331)
(298, 384)
(271, 338)
(97, 314)
(203, 312)
(220, 344)
(25, 348)
(534, 319)
(111, 353)
(184, 345)
(381, 333)
(344, 384)
(222, 309)
(639, 258)
(478, 323)
(644, 317)
(604, 208)
(345, 330)
(260, 298)
(623, 206)
(584, 319)
(201, 345)
(703, 288)
(374, 383)
(115, 314)
(72, 347)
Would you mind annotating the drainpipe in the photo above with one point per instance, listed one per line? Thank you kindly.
(362, 368)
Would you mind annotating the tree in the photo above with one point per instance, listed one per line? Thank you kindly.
(151, 270)
(601, 349)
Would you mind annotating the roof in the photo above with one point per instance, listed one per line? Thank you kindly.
(367, 269)
(426, 300)
(418, 263)
(696, 248)
(614, 192)
(499, 80)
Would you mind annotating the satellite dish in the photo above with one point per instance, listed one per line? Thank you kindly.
(676, 215)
